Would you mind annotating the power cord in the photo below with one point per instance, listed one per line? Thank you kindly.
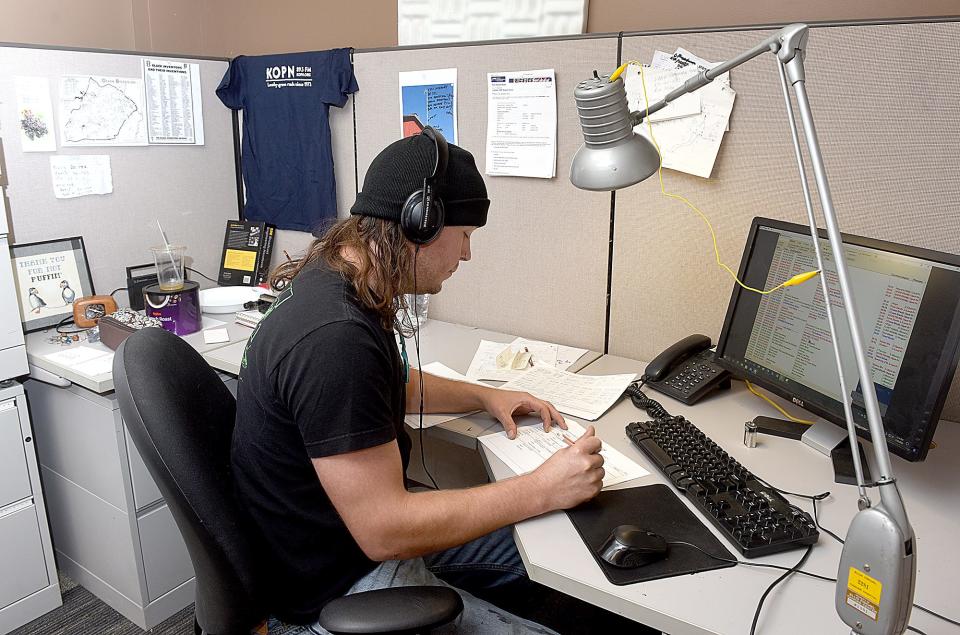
(191, 269)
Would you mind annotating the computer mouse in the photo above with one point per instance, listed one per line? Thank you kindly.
(630, 546)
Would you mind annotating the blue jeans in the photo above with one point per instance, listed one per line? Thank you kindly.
(484, 563)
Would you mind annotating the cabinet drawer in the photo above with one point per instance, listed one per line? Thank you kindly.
(14, 478)
(22, 552)
(145, 490)
(166, 563)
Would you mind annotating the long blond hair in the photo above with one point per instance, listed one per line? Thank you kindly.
(382, 270)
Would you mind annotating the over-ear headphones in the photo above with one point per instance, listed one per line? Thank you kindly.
(421, 218)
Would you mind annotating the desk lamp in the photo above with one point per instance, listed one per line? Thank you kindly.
(877, 572)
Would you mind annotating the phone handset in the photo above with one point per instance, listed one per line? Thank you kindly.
(675, 354)
(687, 371)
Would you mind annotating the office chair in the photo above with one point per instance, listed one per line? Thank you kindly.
(180, 416)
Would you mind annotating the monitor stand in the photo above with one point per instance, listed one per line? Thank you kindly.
(831, 440)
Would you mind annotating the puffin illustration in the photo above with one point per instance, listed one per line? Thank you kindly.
(36, 302)
(68, 294)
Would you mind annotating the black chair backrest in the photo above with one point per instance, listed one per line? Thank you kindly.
(180, 416)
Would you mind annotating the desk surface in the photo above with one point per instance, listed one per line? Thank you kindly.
(39, 346)
(724, 601)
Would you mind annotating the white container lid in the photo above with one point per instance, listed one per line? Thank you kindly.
(227, 299)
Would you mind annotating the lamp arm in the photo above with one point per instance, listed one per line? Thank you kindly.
(788, 43)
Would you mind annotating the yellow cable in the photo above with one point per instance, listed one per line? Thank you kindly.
(795, 280)
(770, 401)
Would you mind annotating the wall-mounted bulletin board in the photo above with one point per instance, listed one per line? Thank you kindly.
(94, 172)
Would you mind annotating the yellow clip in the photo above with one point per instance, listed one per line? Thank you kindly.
(800, 278)
(617, 73)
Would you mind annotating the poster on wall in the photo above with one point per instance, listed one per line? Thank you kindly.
(429, 98)
(102, 111)
(50, 275)
(174, 109)
(35, 114)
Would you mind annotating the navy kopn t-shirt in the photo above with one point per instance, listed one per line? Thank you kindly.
(286, 158)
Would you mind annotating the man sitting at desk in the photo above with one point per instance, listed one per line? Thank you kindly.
(320, 450)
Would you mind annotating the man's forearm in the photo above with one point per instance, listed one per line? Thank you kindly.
(427, 522)
(443, 395)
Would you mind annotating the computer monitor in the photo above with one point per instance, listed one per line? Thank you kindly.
(908, 300)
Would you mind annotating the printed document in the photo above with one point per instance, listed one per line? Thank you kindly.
(102, 111)
(484, 364)
(533, 446)
(522, 124)
(688, 143)
(35, 113)
(85, 360)
(583, 396)
(174, 108)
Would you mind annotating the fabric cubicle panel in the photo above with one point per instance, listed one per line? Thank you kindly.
(887, 124)
(191, 190)
(341, 132)
(539, 266)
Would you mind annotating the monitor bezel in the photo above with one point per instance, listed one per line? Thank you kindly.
(945, 371)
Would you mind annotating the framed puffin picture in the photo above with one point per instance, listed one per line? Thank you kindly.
(49, 276)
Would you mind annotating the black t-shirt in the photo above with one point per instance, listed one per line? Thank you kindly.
(319, 377)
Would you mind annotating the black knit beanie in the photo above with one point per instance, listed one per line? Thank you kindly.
(399, 170)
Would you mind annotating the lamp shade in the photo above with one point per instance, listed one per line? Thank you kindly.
(611, 167)
(612, 155)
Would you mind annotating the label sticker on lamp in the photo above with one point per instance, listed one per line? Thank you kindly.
(863, 593)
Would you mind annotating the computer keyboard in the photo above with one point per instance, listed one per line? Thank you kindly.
(756, 518)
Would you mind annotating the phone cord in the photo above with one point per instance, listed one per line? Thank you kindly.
(641, 401)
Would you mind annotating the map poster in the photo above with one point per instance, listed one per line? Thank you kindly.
(102, 111)
(174, 108)
(35, 115)
(429, 98)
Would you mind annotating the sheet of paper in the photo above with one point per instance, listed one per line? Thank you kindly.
(81, 175)
(429, 98)
(522, 124)
(215, 336)
(691, 144)
(102, 111)
(174, 107)
(102, 365)
(35, 114)
(682, 58)
(484, 365)
(430, 420)
(533, 446)
(660, 81)
(77, 354)
(583, 396)
(207, 322)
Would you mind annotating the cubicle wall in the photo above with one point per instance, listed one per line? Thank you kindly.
(884, 100)
(539, 267)
(191, 190)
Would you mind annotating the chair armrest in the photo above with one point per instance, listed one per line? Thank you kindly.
(409, 609)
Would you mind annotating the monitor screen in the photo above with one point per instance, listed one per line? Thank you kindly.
(908, 303)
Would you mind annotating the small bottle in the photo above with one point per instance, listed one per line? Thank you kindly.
(416, 312)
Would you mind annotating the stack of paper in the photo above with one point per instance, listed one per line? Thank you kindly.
(533, 446)
(249, 318)
(583, 396)
(689, 130)
(485, 366)
(85, 360)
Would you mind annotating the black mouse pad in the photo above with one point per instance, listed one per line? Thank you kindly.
(655, 508)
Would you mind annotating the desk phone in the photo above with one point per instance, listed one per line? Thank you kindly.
(687, 371)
